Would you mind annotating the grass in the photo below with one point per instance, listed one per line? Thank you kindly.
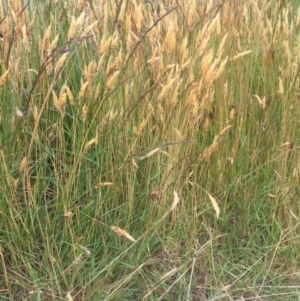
(149, 150)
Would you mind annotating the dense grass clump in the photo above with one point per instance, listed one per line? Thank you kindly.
(149, 150)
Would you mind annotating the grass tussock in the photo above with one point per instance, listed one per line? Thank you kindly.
(149, 150)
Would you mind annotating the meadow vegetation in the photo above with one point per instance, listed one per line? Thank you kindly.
(149, 150)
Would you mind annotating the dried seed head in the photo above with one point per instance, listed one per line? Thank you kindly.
(68, 214)
(80, 4)
(175, 201)
(206, 64)
(62, 97)
(151, 153)
(90, 28)
(239, 55)
(84, 112)
(214, 203)
(60, 102)
(35, 113)
(166, 88)
(127, 26)
(191, 14)
(287, 51)
(280, 87)
(85, 250)
(162, 114)
(110, 115)
(105, 44)
(170, 40)
(80, 21)
(23, 165)
(93, 141)
(53, 45)
(220, 70)
(209, 151)
(70, 95)
(221, 46)
(122, 12)
(83, 89)
(45, 42)
(88, 71)
(122, 232)
(262, 102)
(137, 15)
(17, 23)
(183, 50)
(69, 297)
(72, 29)
(232, 113)
(19, 112)
(25, 39)
(214, 24)
(61, 62)
(112, 80)
(97, 91)
(103, 184)
(3, 78)
(298, 17)
(137, 130)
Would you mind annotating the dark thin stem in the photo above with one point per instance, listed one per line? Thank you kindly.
(146, 32)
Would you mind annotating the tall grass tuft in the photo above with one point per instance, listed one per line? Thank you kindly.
(149, 150)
